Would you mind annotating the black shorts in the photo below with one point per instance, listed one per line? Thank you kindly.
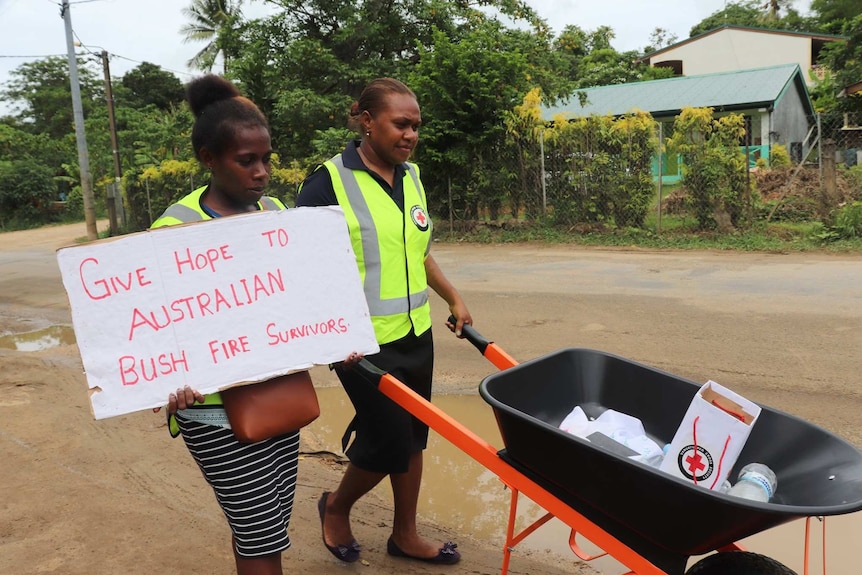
(387, 434)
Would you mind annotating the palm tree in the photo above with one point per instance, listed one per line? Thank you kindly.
(212, 21)
(772, 8)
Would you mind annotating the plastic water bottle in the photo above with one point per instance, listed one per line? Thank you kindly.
(756, 482)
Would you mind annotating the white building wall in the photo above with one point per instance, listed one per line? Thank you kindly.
(731, 50)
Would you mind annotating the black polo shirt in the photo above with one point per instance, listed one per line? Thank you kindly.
(317, 188)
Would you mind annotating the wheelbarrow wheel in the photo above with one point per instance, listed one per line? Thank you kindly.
(738, 563)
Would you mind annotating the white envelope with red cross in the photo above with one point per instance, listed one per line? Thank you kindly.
(711, 436)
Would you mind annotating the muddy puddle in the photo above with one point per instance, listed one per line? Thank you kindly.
(38, 340)
(460, 493)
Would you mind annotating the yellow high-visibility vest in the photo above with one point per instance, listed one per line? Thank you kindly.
(189, 209)
(390, 247)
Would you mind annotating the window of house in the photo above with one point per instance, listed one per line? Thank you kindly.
(675, 65)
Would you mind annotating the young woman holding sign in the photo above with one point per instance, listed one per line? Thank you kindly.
(384, 203)
(253, 482)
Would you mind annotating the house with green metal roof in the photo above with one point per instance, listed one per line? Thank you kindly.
(774, 101)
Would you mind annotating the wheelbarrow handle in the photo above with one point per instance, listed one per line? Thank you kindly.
(369, 371)
(471, 335)
(489, 349)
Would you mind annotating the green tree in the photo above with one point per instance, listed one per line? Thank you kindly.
(588, 59)
(370, 38)
(40, 91)
(149, 84)
(772, 9)
(757, 14)
(305, 64)
(214, 22)
(741, 13)
(465, 86)
(606, 66)
(26, 189)
(659, 38)
(834, 14)
(844, 59)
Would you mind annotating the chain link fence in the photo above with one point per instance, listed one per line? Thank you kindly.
(697, 172)
(841, 133)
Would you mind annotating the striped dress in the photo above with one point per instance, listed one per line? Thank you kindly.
(254, 483)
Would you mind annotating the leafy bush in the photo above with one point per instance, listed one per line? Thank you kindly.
(847, 225)
(854, 178)
(285, 180)
(74, 205)
(599, 167)
(26, 191)
(151, 191)
(848, 221)
(714, 168)
(778, 156)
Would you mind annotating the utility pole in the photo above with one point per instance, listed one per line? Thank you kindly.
(118, 173)
(80, 135)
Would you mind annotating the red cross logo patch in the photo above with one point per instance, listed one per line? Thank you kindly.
(695, 463)
(417, 214)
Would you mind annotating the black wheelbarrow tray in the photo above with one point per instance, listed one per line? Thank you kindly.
(648, 520)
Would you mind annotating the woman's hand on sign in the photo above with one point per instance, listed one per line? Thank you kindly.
(352, 359)
(184, 398)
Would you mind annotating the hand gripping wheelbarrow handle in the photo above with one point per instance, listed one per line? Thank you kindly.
(489, 349)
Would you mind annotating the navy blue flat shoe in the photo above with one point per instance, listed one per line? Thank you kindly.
(346, 553)
(447, 555)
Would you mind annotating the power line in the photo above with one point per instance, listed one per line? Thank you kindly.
(30, 55)
(162, 67)
(33, 56)
(85, 47)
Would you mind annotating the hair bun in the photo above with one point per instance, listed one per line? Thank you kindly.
(207, 90)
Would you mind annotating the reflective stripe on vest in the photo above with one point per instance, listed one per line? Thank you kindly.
(371, 258)
(268, 203)
(183, 213)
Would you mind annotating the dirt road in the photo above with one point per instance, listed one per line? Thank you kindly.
(119, 496)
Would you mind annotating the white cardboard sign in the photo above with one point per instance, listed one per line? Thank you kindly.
(212, 304)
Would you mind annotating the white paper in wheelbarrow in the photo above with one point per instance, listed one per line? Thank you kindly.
(711, 436)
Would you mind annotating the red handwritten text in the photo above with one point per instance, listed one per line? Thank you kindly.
(242, 292)
(101, 287)
(331, 326)
(201, 261)
(230, 348)
(133, 369)
(280, 237)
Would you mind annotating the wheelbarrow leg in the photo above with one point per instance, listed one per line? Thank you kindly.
(808, 539)
(511, 539)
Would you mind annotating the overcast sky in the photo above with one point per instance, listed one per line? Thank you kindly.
(134, 31)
